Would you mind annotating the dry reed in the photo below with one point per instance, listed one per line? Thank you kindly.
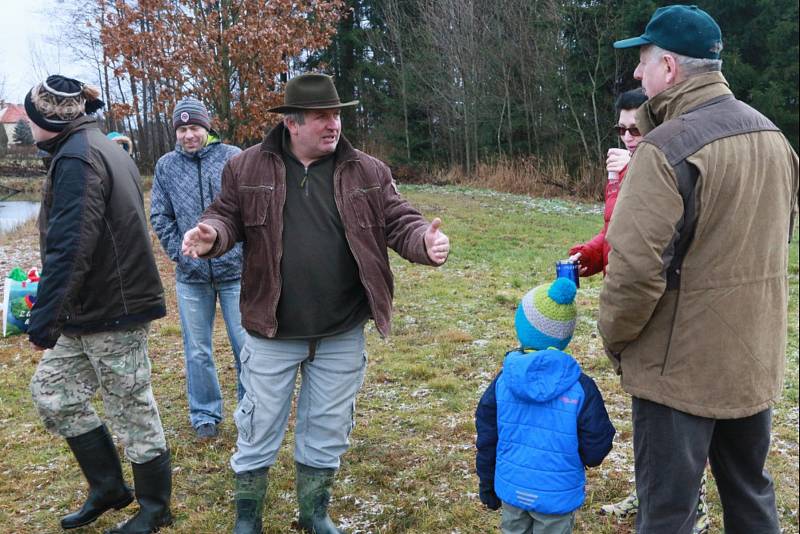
(530, 176)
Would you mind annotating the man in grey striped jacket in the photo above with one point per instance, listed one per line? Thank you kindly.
(186, 181)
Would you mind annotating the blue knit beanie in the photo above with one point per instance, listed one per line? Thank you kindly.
(190, 111)
(546, 316)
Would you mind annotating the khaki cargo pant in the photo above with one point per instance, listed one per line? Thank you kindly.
(117, 364)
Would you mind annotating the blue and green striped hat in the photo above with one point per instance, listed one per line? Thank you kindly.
(546, 316)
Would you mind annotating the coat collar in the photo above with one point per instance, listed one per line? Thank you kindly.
(681, 98)
(81, 123)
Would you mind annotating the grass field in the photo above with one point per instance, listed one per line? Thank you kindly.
(411, 464)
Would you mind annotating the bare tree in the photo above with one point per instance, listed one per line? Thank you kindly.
(585, 36)
(456, 74)
(394, 40)
(79, 36)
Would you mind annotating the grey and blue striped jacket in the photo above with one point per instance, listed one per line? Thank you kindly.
(184, 186)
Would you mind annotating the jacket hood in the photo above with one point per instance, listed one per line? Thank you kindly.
(680, 98)
(540, 376)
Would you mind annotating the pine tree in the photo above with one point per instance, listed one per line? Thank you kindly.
(22, 133)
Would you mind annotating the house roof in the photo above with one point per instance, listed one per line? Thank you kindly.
(12, 113)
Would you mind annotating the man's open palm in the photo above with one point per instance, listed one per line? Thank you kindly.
(199, 240)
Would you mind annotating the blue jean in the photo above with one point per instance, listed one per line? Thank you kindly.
(325, 406)
(197, 305)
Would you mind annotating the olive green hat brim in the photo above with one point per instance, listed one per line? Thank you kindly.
(308, 107)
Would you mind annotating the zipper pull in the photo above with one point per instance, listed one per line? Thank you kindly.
(304, 181)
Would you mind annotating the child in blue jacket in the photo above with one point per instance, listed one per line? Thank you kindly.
(541, 421)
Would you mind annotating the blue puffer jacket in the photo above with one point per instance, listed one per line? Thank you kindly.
(539, 423)
(184, 186)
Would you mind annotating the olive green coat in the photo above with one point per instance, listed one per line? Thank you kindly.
(714, 346)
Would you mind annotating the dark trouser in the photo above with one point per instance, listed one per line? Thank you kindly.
(671, 448)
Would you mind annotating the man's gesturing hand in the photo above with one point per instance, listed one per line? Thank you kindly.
(199, 240)
(437, 244)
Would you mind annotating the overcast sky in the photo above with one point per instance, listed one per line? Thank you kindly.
(27, 49)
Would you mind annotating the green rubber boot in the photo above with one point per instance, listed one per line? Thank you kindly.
(251, 489)
(313, 495)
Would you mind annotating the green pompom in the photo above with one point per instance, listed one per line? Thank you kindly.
(18, 275)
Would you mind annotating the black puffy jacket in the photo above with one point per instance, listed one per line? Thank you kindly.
(98, 269)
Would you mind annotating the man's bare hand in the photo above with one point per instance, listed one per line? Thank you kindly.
(199, 240)
(437, 244)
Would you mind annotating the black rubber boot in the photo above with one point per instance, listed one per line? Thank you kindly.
(153, 486)
(251, 489)
(99, 462)
(313, 495)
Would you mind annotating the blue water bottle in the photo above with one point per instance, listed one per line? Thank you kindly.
(568, 269)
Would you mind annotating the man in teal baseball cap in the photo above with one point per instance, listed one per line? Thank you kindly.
(684, 35)
(686, 30)
(693, 307)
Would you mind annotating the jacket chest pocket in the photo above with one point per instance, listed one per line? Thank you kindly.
(367, 204)
(254, 202)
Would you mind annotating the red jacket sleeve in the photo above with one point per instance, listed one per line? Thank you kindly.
(591, 253)
(594, 253)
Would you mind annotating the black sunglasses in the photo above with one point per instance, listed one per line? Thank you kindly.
(634, 131)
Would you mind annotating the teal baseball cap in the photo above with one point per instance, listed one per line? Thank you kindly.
(685, 30)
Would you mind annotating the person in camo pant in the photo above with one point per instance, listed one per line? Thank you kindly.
(98, 292)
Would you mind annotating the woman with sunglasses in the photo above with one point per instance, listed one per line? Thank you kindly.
(592, 257)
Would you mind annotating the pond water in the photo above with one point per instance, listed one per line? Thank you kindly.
(14, 213)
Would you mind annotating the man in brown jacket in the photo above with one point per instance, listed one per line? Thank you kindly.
(316, 217)
(693, 310)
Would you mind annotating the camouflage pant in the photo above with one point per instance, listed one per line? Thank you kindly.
(117, 364)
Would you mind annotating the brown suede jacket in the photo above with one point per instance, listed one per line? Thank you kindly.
(374, 215)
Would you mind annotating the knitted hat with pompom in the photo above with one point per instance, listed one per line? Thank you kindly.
(546, 316)
(190, 111)
(59, 100)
